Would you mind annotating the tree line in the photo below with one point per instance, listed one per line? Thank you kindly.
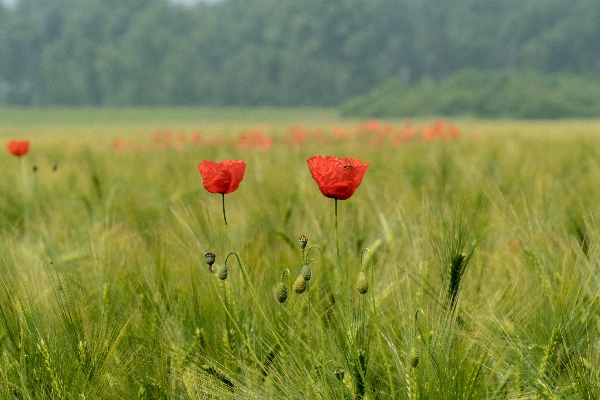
(273, 52)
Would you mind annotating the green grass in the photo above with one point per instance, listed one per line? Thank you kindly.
(26, 117)
(104, 292)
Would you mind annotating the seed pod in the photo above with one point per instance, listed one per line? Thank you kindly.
(222, 272)
(300, 285)
(413, 357)
(210, 260)
(306, 272)
(281, 292)
(303, 240)
(362, 284)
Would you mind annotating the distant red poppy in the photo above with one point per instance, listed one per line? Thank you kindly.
(338, 178)
(223, 177)
(18, 147)
(254, 140)
(117, 144)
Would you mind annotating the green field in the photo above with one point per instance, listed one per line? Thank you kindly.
(483, 283)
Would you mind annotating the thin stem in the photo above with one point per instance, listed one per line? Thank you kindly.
(25, 190)
(308, 322)
(250, 287)
(322, 340)
(322, 336)
(227, 226)
(223, 202)
(244, 339)
(322, 259)
(247, 278)
(339, 261)
(308, 260)
(289, 288)
(237, 327)
(337, 243)
(376, 318)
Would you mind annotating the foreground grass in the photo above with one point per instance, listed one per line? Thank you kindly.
(105, 293)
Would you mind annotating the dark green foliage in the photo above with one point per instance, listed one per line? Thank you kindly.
(270, 52)
(450, 242)
(484, 94)
(456, 269)
(213, 372)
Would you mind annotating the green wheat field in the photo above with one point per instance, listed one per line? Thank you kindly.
(478, 239)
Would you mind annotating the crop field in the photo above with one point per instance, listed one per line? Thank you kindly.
(465, 265)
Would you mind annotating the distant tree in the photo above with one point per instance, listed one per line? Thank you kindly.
(258, 52)
(152, 62)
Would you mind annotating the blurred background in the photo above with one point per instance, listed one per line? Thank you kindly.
(377, 58)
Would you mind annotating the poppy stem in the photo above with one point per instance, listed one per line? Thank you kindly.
(339, 258)
(337, 244)
(26, 191)
(237, 327)
(325, 265)
(376, 318)
(227, 226)
(224, 216)
(246, 277)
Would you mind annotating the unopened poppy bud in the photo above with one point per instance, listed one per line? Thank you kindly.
(413, 357)
(281, 292)
(306, 272)
(300, 285)
(222, 272)
(303, 240)
(210, 258)
(362, 284)
(339, 373)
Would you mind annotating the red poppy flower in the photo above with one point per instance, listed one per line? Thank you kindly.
(18, 147)
(338, 178)
(223, 177)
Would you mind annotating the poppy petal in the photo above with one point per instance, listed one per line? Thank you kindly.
(223, 177)
(337, 178)
(18, 148)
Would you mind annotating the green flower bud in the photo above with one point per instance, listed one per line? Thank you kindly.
(306, 272)
(281, 292)
(413, 357)
(222, 272)
(210, 260)
(303, 240)
(362, 284)
(300, 285)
